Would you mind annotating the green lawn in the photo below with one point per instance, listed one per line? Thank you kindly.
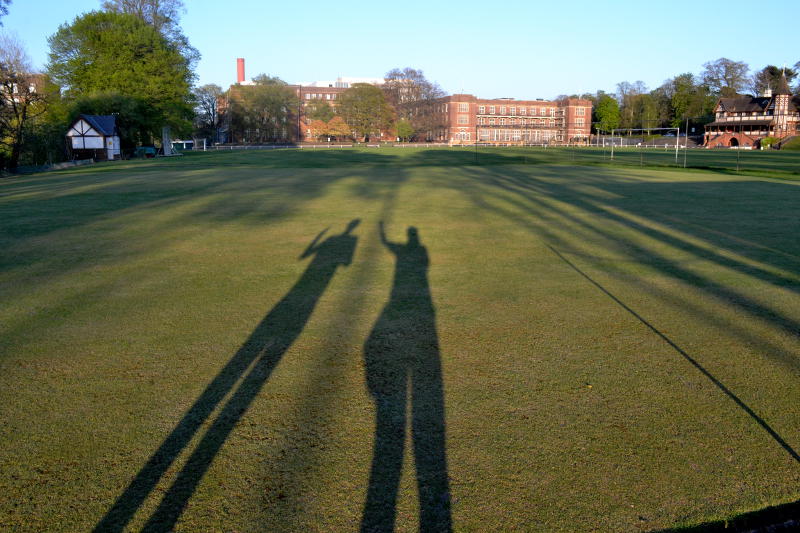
(202, 343)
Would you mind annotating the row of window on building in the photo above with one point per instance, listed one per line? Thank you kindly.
(535, 136)
(482, 121)
(320, 96)
(514, 110)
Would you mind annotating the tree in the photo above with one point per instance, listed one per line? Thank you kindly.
(769, 77)
(628, 97)
(607, 113)
(338, 128)
(206, 111)
(364, 108)
(23, 98)
(262, 113)
(415, 99)
(319, 128)
(266, 79)
(4, 8)
(164, 16)
(404, 129)
(319, 110)
(118, 53)
(726, 77)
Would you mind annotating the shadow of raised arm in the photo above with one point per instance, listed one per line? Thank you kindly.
(392, 246)
(313, 246)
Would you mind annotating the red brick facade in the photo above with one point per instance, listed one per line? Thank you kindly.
(463, 117)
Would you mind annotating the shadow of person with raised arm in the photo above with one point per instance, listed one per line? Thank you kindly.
(255, 360)
(402, 360)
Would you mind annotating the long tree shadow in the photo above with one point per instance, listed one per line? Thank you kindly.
(255, 360)
(403, 365)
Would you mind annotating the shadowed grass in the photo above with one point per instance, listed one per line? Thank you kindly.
(129, 288)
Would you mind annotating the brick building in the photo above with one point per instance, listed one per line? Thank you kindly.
(744, 121)
(456, 119)
(463, 117)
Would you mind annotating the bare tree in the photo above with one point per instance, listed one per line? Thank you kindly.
(22, 97)
(414, 98)
(207, 112)
(4, 8)
(725, 76)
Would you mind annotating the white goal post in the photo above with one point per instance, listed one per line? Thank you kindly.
(620, 131)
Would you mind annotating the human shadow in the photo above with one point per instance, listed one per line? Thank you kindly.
(254, 363)
(403, 366)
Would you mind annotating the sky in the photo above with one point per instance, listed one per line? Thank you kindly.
(518, 49)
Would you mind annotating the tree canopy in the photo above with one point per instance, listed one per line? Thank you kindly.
(364, 108)
(262, 113)
(726, 77)
(119, 53)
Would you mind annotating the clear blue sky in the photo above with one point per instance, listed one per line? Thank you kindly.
(520, 49)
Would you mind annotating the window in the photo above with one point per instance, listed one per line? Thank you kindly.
(463, 119)
(502, 122)
(522, 110)
(491, 122)
(491, 109)
(515, 136)
(482, 110)
(513, 111)
(308, 96)
(327, 96)
(579, 121)
(543, 111)
(580, 111)
(502, 110)
(463, 108)
(484, 135)
(552, 112)
(552, 122)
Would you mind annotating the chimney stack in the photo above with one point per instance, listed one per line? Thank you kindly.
(239, 70)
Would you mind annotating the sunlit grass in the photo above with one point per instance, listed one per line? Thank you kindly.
(619, 345)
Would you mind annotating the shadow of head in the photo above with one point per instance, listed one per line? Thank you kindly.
(353, 224)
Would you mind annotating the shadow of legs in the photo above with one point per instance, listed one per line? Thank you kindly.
(387, 464)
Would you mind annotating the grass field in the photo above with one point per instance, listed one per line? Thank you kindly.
(227, 342)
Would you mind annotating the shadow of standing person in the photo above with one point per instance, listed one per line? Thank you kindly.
(402, 359)
(254, 362)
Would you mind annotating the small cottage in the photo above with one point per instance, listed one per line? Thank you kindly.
(94, 137)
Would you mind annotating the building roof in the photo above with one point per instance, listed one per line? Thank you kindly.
(783, 85)
(745, 104)
(755, 122)
(105, 124)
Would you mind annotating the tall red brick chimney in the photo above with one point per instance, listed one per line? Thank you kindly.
(239, 69)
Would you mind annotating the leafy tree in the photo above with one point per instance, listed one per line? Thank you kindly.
(338, 128)
(769, 77)
(319, 110)
(164, 16)
(23, 98)
(266, 79)
(726, 77)
(606, 113)
(364, 108)
(404, 129)
(319, 129)
(262, 113)
(119, 54)
(206, 109)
